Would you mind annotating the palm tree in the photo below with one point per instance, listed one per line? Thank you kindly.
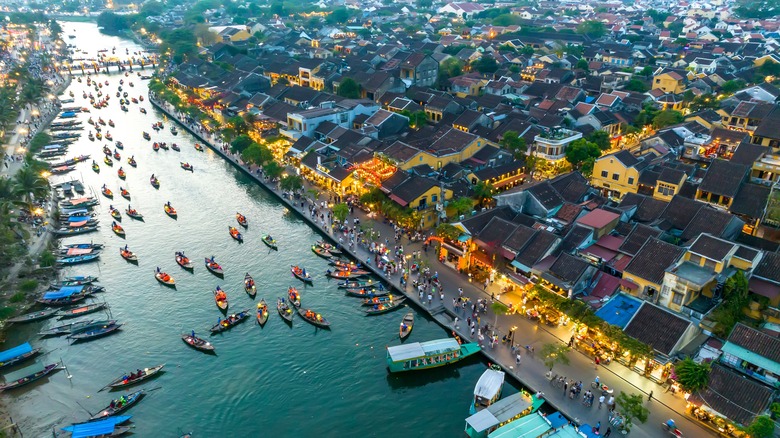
(483, 192)
(29, 185)
(7, 191)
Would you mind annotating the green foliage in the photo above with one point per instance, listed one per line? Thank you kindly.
(582, 64)
(483, 192)
(291, 183)
(632, 407)
(257, 154)
(667, 118)
(449, 232)
(273, 169)
(47, 259)
(761, 427)
(40, 140)
(240, 144)
(28, 286)
(462, 205)
(338, 16)
(513, 142)
(553, 354)
(349, 88)
(635, 85)
(17, 297)
(729, 313)
(417, 119)
(6, 312)
(581, 150)
(340, 211)
(592, 28)
(113, 23)
(485, 64)
(732, 86)
(692, 376)
(601, 139)
(373, 196)
(507, 20)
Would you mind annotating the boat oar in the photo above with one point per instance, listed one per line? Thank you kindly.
(69, 376)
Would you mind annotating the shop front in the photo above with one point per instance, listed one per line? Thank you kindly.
(454, 255)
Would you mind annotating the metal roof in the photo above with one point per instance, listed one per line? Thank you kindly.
(489, 384)
(401, 353)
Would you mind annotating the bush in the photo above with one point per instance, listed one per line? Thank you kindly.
(47, 259)
(6, 312)
(28, 285)
(17, 297)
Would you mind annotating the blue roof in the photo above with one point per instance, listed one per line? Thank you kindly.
(587, 430)
(63, 292)
(557, 420)
(78, 218)
(96, 428)
(15, 352)
(619, 310)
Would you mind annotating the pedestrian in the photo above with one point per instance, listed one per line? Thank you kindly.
(518, 359)
(601, 401)
(596, 363)
(472, 331)
(430, 298)
(597, 428)
(650, 396)
(565, 387)
(455, 322)
(608, 432)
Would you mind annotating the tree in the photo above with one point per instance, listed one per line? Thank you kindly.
(592, 28)
(338, 16)
(582, 64)
(553, 354)
(692, 376)
(601, 139)
(448, 231)
(635, 85)
(272, 169)
(512, 141)
(483, 192)
(111, 22)
(349, 88)
(580, 150)
(485, 64)
(291, 183)
(646, 72)
(761, 427)
(667, 118)
(204, 35)
(340, 211)
(498, 308)
(732, 86)
(29, 185)
(632, 407)
(240, 144)
(462, 205)
(239, 124)
(257, 154)
(373, 196)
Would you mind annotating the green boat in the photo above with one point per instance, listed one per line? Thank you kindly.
(431, 354)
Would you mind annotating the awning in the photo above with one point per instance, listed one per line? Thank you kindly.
(764, 288)
(15, 352)
(453, 249)
(509, 180)
(79, 251)
(520, 266)
(464, 238)
(63, 292)
(399, 201)
(628, 284)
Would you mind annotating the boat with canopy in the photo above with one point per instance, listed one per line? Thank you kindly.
(430, 354)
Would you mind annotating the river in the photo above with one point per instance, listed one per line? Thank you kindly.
(275, 380)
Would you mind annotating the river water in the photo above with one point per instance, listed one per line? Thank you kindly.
(275, 380)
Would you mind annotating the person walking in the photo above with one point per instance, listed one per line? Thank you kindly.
(596, 363)
(608, 432)
(565, 388)
(650, 396)
(601, 401)
(518, 359)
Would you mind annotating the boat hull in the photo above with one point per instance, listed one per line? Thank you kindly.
(466, 350)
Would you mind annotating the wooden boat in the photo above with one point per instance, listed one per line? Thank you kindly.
(345, 266)
(107, 192)
(33, 316)
(95, 330)
(294, 296)
(119, 145)
(73, 231)
(131, 161)
(328, 247)
(170, 211)
(214, 267)
(143, 111)
(117, 156)
(121, 173)
(187, 166)
(117, 229)
(164, 278)
(346, 274)
(235, 234)
(431, 354)
(125, 194)
(119, 405)
(48, 369)
(249, 285)
(357, 284)
(231, 321)
(175, 147)
(488, 389)
(127, 254)
(95, 167)
(406, 326)
(198, 147)
(241, 219)
(108, 161)
(134, 214)
(262, 312)
(321, 252)
(270, 241)
(65, 329)
(220, 298)
(367, 302)
(301, 274)
(284, 310)
(378, 309)
(135, 377)
(146, 135)
(184, 261)
(114, 213)
(198, 343)
(107, 427)
(154, 182)
(85, 309)
(19, 354)
(80, 280)
(73, 260)
(369, 292)
(313, 318)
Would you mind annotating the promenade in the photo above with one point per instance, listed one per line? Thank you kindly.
(531, 371)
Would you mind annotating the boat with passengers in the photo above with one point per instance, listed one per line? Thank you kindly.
(430, 354)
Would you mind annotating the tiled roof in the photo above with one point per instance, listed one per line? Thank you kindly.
(708, 220)
(724, 178)
(751, 200)
(546, 195)
(495, 232)
(652, 260)
(671, 176)
(680, 211)
(576, 237)
(646, 326)
(519, 238)
(627, 158)
(769, 267)
(637, 237)
(649, 210)
(733, 395)
(711, 247)
(598, 218)
(537, 248)
(568, 268)
(411, 189)
(476, 223)
(747, 153)
(756, 342)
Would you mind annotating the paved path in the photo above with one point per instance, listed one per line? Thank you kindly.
(531, 371)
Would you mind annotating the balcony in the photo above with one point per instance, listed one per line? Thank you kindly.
(290, 133)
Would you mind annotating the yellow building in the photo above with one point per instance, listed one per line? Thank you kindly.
(670, 82)
(669, 183)
(617, 174)
(425, 196)
(452, 146)
(645, 272)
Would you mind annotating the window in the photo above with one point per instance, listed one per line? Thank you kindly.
(657, 81)
(695, 259)
(677, 298)
(434, 198)
(616, 176)
(604, 174)
(630, 180)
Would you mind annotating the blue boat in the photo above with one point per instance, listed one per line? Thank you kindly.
(77, 259)
(108, 427)
(64, 296)
(67, 115)
(17, 354)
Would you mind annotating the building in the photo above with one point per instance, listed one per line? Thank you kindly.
(551, 144)
(670, 82)
(754, 353)
(462, 10)
(617, 174)
(419, 69)
(343, 113)
(421, 194)
(646, 270)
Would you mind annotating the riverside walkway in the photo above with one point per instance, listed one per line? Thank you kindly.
(531, 371)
